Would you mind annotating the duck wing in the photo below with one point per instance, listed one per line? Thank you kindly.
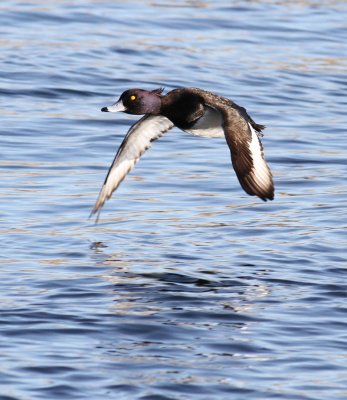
(138, 139)
(242, 135)
(247, 154)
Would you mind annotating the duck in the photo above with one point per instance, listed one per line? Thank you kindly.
(195, 111)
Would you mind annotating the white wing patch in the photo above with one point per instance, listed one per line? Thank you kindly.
(260, 174)
(209, 125)
(136, 142)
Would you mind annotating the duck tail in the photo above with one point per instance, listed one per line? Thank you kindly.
(258, 127)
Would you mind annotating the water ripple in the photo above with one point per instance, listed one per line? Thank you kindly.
(187, 288)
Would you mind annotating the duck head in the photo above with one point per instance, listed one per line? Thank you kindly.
(137, 102)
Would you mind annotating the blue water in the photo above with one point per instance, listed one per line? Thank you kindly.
(187, 288)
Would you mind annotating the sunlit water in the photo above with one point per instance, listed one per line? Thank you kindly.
(187, 288)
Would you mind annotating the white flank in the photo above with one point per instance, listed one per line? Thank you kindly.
(260, 171)
(209, 125)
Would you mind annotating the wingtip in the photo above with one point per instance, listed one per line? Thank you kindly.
(267, 197)
(270, 194)
(96, 211)
(263, 193)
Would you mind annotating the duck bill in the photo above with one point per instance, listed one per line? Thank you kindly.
(116, 107)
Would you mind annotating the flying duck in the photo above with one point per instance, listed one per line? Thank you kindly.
(200, 113)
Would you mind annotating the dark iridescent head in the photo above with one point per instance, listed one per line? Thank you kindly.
(137, 101)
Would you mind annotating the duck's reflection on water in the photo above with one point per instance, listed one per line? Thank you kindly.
(193, 294)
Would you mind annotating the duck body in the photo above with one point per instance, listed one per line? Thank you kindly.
(200, 113)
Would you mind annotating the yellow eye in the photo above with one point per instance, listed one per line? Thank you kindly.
(132, 97)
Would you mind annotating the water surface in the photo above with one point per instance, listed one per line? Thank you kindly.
(187, 288)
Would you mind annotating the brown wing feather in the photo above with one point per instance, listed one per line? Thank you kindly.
(247, 153)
